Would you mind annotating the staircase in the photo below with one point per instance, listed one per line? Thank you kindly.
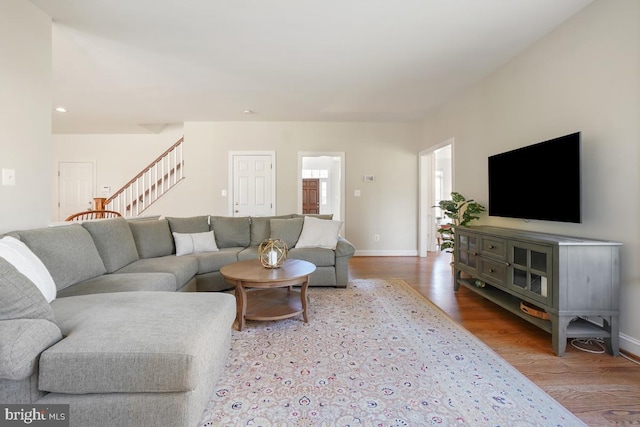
(149, 185)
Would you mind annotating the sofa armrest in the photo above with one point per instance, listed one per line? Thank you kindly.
(21, 342)
(344, 248)
(344, 251)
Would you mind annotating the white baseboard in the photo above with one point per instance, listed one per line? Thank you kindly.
(630, 344)
(386, 253)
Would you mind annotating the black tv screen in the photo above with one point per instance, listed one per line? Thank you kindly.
(540, 181)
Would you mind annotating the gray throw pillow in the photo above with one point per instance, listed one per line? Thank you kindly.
(67, 251)
(190, 225)
(261, 227)
(114, 241)
(153, 238)
(231, 232)
(21, 298)
(319, 216)
(287, 230)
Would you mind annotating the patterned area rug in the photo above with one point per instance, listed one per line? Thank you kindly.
(374, 354)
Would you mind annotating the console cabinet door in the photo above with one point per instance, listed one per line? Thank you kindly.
(530, 271)
(467, 251)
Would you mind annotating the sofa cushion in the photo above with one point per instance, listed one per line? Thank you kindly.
(319, 233)
(67, 251)
(136, 342)
(27, 263)
(193, 243)
(320, 257)
(122, 282)
(213, 261)
(194, 224)
(20, 298)
(261, 227)
(21, 342)
(248, 253)
(114, 241)
(231, 232)
(288, 230)
(153, 238)
(183, 268)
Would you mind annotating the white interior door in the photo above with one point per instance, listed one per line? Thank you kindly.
(253, 184)
(75, 188)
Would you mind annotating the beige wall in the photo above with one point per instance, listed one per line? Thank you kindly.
(117, 158)
(387, 151)
(25, 114)
(584, 76)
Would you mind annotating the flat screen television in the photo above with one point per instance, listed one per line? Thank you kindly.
(540, 181)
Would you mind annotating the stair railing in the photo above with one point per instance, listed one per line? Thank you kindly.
(150, 184)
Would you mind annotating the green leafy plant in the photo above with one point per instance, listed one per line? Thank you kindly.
(460, 211)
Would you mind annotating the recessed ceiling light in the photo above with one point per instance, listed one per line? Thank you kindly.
(61, 109)
(248, 112)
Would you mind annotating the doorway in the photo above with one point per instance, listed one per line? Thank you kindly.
(436, 184)
(327, 168)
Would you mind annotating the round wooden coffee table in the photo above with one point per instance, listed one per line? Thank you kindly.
(265, 293)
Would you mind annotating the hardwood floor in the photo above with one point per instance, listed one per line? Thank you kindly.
(600, 389)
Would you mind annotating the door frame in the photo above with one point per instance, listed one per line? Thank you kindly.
(231, 178)
(342, 177)
(426, 218)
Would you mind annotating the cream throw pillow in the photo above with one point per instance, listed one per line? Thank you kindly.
(319, 233)
(193, 243)
(27, 263)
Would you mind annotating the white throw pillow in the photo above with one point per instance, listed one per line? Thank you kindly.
(319, 233)
(193, 243)
(27, 263)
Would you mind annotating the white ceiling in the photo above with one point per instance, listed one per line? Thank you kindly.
(132, 66)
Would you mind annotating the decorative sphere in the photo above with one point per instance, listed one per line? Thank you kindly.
(273, 253)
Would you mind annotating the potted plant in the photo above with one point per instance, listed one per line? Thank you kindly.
(460, 211)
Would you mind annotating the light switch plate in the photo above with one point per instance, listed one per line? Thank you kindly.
(8, 177)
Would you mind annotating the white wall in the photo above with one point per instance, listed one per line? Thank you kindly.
(385, 150)
(584, 76)
(25, 114)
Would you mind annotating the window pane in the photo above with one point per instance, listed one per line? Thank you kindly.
(520, 256)
(539, 261)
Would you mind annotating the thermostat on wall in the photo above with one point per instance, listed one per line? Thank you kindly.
(369, 178)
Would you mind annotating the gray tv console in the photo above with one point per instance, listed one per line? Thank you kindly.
(573, 279)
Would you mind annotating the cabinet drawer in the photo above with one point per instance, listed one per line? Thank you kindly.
(496, 248)
(493, 271)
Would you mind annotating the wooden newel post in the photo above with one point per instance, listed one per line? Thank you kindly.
(99, 203)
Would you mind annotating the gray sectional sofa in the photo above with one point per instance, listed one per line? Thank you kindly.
(119, 344)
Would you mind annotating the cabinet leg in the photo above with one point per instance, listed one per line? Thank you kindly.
(559, 326)
(613, 341)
